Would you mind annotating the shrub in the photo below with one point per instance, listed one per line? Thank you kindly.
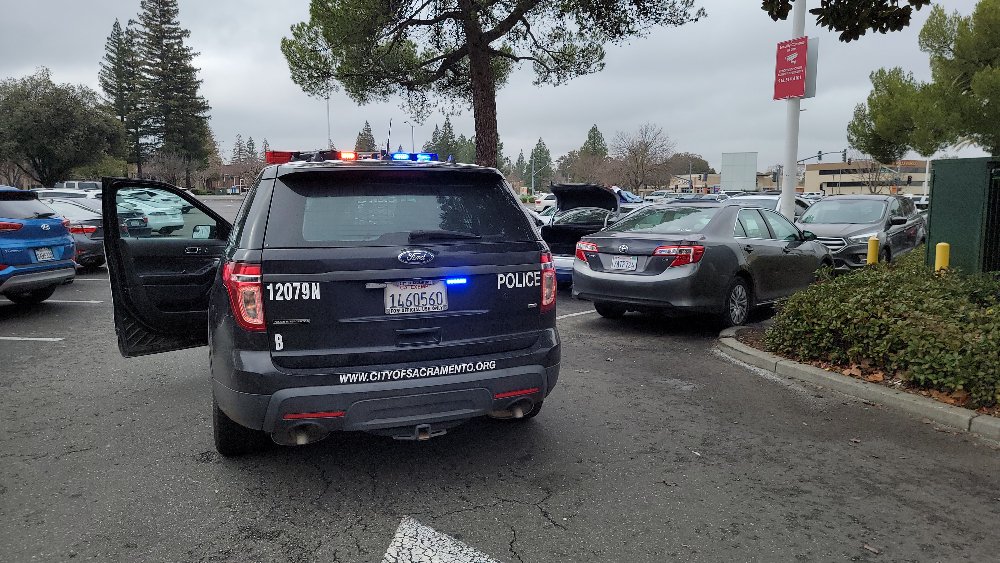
(939, 331)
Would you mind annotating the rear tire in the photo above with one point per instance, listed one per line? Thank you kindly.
(609, 311)
(233, 439)
(33, 297)
(738, 304)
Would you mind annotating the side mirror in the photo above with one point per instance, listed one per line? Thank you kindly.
(897, 220)
(203, 232)
(808, 235)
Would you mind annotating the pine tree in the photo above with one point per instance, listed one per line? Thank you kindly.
(366, 140)
(432, 145)
(264, 148)
(239, 150)
(447, 145)
(118, 78)
(250, 150)
(519, 165)
(594, 145)
(541, 163)
(176, 112)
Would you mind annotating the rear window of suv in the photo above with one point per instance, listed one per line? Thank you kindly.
(375, 207)
(20, 205)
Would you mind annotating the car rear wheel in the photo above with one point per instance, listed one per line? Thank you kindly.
(233, 439)
(739, 301)
(609, 311)
(31, 297)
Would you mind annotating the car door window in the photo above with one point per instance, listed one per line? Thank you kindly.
(894, 208)
(781, 227)
(753, 224)
(800, 208)
(167, 215)
(739, 231)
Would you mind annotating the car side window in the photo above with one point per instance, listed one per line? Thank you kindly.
(894, 208)
(165, 215)
(800, 208)
(908, 208)
(753, 224)
(583, 216)
(782, 228)
(739, 231)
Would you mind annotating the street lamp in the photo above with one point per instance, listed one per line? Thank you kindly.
(413, 146)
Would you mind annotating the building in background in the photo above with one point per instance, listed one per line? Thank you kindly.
(866, 176)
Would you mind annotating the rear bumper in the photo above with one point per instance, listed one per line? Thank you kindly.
(564, 267)
(89, 251)
(440, 402)
(36, 279)
(682, 289)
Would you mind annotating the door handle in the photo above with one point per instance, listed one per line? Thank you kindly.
(195, 250)
(748, 248)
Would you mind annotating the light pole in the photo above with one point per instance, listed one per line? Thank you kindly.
(413, 146)
(787, 202)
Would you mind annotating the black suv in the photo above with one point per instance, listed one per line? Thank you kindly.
(400, 298)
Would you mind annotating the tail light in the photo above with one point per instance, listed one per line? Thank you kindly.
(583, 247)
(65, 223)
(246, 294)
(548, 282)
(83, 229)
(682, 254)
(6, 227)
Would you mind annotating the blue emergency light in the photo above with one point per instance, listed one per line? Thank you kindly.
(456, 281)
(414, 156)
(401, 156)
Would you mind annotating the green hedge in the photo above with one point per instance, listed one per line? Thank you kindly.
(938, 331)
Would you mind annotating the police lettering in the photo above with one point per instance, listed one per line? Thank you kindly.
(519, 279)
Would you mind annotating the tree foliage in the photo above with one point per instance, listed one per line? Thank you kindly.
(881, 127)
(459, 52)
(119, 80)
(366, 140)
(48, 129)
(688, 163)
(539, 163)
(853, 18)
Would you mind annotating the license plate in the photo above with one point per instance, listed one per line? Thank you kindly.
(44, 253)
(415, 297)
(624, 262)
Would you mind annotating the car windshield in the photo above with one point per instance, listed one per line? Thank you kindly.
(666, 220)
(765, 202)
(844, 211)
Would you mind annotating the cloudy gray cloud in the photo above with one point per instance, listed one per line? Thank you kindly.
(708, 84)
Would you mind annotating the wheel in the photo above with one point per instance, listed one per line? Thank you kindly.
(233, 439)
(33, 297)
(739, 301)
(609, 311)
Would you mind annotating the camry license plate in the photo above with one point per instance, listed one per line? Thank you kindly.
(627, 263)
(415, 297)
(44, 253)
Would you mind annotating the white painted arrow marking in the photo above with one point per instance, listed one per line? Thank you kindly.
(417, 543)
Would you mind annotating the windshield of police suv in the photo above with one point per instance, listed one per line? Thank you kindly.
(844, 211)
(666, 220)
(392, 207)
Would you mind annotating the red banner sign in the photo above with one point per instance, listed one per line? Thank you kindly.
(790, 70)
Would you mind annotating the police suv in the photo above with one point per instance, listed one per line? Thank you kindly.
(398, 295)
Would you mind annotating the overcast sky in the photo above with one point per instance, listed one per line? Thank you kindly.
(708, 84)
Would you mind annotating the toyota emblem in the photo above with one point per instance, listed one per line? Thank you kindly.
(415, 257)
(623, 248)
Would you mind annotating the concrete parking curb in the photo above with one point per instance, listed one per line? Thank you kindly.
(946, 415)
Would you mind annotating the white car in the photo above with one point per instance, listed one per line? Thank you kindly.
(162, 219)
(156, 198)
(544, 201)
(658, 195)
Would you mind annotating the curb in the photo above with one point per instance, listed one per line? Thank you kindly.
(945, 415)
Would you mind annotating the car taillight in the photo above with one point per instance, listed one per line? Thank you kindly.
(83, 229)
(548, 282)
(65, 222)
(583, 247)
(246, 294)
(6, 227)
(682, 254)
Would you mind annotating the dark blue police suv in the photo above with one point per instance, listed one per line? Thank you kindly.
(398, 296)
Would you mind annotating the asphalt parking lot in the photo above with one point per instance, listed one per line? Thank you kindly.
(653, 447)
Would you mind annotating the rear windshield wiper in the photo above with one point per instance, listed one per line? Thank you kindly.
(45, 215)
(434, 234)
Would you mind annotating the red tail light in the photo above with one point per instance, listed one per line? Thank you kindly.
(583, 247)
(246, 294)
(9, 227)
(548, 282)
(682, 254)
(83, 229)
(348, 155)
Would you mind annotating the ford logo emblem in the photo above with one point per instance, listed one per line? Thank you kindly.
(623, 248)
(415, 257)
(45, 227)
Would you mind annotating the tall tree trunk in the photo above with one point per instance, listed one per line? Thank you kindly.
(484, 88)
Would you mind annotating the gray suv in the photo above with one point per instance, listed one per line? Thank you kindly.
(845, 223)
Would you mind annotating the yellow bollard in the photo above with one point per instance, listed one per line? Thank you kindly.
(942, 256)
(872, 251)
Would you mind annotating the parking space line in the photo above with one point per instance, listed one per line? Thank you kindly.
(28, 339)
(72, 301)
(568, 315)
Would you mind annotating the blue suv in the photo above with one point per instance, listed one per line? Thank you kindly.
(36, 249)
